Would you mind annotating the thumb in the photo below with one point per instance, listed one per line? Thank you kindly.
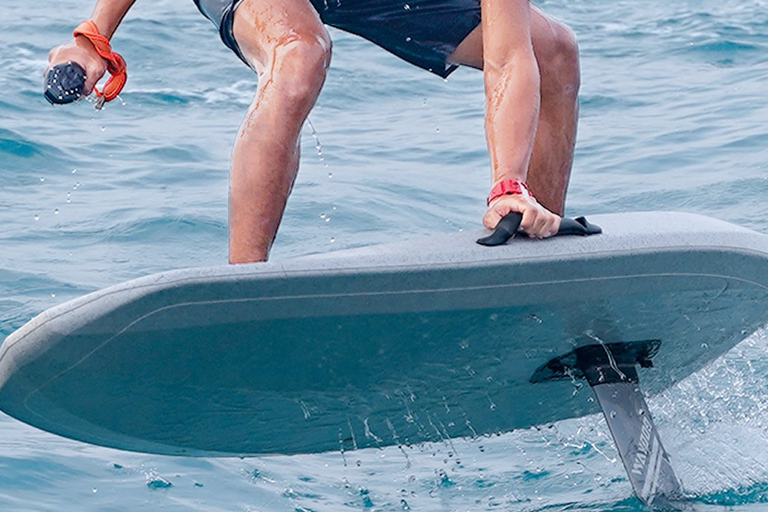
(491, 218)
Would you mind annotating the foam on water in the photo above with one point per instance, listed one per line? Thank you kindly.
(673, 110)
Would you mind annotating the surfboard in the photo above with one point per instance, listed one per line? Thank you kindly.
(420, 340)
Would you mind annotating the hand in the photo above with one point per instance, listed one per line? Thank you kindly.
(81, 51)
(538, 222)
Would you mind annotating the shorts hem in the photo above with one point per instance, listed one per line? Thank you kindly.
(226, 31)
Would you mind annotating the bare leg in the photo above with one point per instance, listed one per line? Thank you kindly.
(288, 46)
(557, 55)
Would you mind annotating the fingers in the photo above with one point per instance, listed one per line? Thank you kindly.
(60, 54)
(537, 222)
(51, 59)
(83, 53)
(492, 217)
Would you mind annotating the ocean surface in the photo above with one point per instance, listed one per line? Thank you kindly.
(674, 116)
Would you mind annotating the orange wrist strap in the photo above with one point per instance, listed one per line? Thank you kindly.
(115, 62)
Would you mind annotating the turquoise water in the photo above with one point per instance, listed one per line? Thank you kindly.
(674, 109)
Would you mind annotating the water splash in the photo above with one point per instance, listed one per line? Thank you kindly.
(318, 144)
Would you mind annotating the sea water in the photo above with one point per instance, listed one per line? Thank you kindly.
(674, 116)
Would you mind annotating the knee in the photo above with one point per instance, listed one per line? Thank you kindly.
(562, 56)
(299, 65)
(568, 57)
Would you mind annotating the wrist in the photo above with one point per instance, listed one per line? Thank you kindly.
(113, 61)
(104, 27)
(508, 187)
(85, 44)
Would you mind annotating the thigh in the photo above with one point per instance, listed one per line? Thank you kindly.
(261, 27)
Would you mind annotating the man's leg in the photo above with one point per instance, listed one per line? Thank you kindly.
(288, 46)
(554, 46)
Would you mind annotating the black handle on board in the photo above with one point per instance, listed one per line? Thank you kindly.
(508, 225)
(64, 83)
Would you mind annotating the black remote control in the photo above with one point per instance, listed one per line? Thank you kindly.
(64, 83)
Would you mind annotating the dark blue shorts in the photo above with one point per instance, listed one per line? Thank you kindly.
(422, 32)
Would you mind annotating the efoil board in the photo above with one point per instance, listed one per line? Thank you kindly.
(401, 343)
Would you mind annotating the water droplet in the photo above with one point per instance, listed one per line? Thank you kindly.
(318, 144)
(158, 482)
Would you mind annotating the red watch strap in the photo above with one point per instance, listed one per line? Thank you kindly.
(510, 186)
